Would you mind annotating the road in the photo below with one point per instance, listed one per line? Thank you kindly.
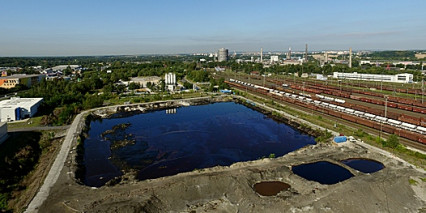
(38, 128)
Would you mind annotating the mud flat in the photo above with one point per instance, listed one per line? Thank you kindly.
(398, 187)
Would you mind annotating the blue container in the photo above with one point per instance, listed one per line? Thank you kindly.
(340, 139)
(18, 114)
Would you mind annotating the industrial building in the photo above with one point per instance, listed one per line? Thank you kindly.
(398, 78)
(13, 80)
(274, 59)
(17, 108)
(143, 81)
(170, 80)
(222, 55)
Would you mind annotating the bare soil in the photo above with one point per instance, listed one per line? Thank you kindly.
(230, 189)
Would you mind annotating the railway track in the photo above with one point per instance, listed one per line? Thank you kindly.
(355, 126)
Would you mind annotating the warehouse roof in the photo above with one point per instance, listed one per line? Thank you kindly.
(19, 76)
(15, 102)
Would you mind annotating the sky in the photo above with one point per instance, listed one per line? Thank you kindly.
(132, 27)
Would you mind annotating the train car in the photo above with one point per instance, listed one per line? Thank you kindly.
(421, 130)
(422, 140)
(408, 126)
(332, 106)
(388, 129)
(380, 119)
(394, 122)
(419, 110)
(369, 116)
(365, 122)
(358, 113)
(409, 135)
(349, 111)
(349, 117)
(339, 101)
(342, 109)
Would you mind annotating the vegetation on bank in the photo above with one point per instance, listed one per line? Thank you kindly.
(19, 155)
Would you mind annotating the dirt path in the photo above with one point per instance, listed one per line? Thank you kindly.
(38, 128)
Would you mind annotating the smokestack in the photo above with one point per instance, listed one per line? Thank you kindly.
(326, 57)
(261, 55)
(306, 52)
(289, 53)
(350, 57)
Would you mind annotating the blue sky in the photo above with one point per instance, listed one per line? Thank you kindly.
(104, 27)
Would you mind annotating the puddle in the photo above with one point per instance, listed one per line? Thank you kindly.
(323, 172)
(270, 188)
(363, 165)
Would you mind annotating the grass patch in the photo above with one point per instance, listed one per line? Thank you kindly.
(32, 122)
(412, 181)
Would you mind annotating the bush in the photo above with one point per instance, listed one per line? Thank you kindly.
(272, 155)
(392, 141)
(3, 202)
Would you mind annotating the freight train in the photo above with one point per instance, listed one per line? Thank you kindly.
(335, 108)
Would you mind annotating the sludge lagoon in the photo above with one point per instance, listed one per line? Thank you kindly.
(158, 144)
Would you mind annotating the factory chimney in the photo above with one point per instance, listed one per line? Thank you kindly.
(261, 55)
(289, 53)
(350, 57)
(306, 52)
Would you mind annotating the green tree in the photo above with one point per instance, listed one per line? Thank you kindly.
(133, 86)
(392, 141)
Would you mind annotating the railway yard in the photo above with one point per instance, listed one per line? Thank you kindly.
(365, 106)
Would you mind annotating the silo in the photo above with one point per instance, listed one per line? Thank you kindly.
(222, 55)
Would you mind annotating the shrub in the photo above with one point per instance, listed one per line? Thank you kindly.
(392, 141)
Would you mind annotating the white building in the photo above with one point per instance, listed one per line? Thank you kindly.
(274, 58)
(144, 80)
(170, 80)
(18, 108)
(398, 78)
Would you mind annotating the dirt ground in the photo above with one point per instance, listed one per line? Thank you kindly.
(396, 188)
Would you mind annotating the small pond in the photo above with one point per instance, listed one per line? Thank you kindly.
(364, 165)
(270, 188)
(323, 172)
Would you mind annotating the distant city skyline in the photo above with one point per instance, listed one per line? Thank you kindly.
(84, 28)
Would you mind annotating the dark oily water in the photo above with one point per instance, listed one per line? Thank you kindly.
(158, 144)
(323, 172)
(270, 188)
(364, 165)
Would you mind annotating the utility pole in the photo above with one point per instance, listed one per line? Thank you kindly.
(423, 90)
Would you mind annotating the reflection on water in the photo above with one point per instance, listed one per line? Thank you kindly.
(157, 144)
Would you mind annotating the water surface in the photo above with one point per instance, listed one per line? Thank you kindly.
(364, 165)
(323, 172)
(194, 137)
